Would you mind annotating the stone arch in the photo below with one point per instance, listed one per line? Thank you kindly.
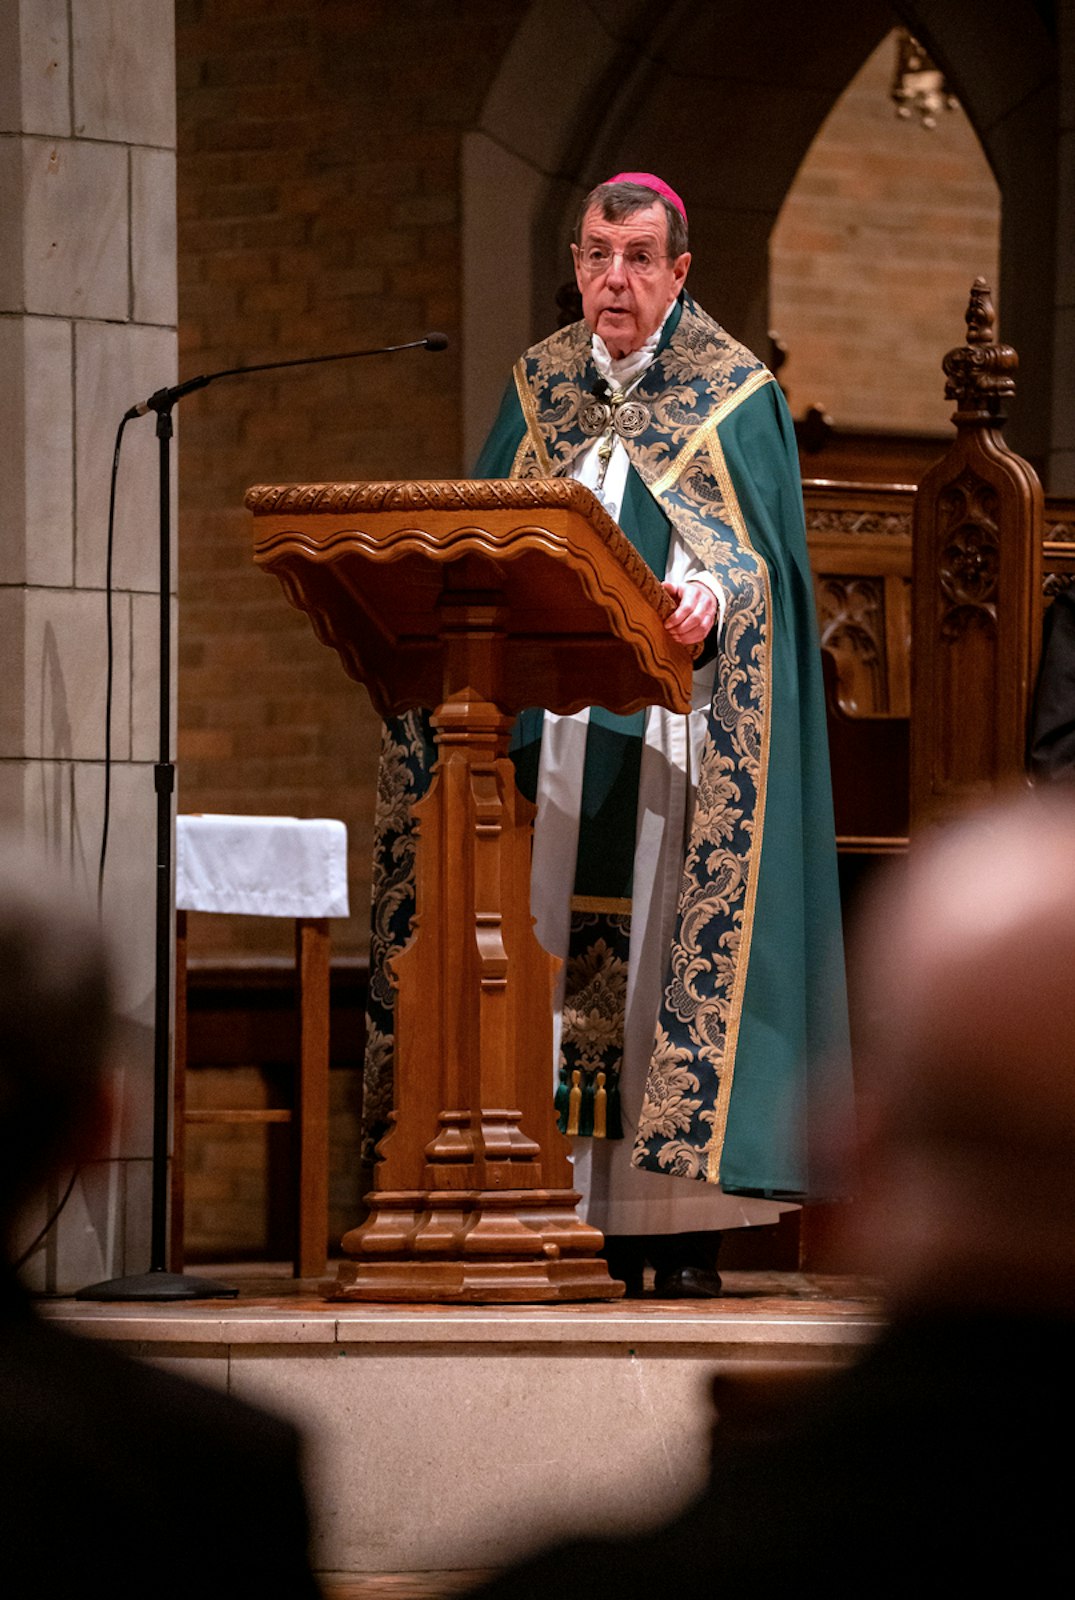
(880, 234)
(726, 110)
(683, 88)
(1003, 64)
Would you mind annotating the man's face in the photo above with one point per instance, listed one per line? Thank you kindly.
(625, 300)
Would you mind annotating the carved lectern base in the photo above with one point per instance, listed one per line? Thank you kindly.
(518, 1245)
(479, 599)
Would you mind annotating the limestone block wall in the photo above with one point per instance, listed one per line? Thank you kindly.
(87, 327)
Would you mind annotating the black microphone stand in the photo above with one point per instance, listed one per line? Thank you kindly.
(158, 1283)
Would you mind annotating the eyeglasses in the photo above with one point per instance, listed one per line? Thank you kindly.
(594, 259)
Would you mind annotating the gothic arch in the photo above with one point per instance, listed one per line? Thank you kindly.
(1003, 64)
(726, 109)
(722, 108)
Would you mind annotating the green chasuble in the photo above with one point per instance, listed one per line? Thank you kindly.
(750, 1042)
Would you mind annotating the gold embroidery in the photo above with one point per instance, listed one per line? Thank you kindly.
(522, 455)
(606, 904)
(702, 435)
(526, 400)
(715, 1146)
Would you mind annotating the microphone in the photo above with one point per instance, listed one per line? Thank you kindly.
(164, 399)
(602, 390)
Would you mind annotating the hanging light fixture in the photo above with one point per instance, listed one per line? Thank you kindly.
(918, 88)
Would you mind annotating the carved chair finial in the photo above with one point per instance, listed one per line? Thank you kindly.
(980, 371)
(981, 316)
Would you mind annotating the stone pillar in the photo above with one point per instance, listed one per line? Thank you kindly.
(87, 327)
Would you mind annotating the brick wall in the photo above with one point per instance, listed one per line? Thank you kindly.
(318, 211)
(319, 152)
(238, 1177)
(872, 259)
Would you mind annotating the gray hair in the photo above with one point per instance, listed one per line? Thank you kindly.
(618, 201)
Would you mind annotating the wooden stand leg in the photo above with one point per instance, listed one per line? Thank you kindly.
(473, 1197)
(312, 964)
(179, 1098)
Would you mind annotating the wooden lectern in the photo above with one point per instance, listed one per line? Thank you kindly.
(476, 599)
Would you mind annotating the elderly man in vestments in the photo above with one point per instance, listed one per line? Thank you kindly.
(684, 867)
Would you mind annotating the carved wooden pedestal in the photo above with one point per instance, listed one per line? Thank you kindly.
(481, 598)
(476, 1204)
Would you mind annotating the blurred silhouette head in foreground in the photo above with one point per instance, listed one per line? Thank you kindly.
(965, 983)
(928, 1455)
(129, 1463)
(55, 1023)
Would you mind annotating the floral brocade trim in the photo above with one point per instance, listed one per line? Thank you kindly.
(693, 1066)
(706, 432)
(591, 1039)
(720, 1124)
(403, 777)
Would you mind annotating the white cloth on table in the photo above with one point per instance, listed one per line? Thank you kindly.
(262, 866)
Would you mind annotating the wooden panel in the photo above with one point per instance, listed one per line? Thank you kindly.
(857, 532)
(848, 456)
(870, 775)
(238, 1118)
(977, 589)
(860, 541)
(290, 1029)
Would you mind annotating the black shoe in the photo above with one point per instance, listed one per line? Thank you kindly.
(626, 1257)
(685, 1265)
(688, 1283)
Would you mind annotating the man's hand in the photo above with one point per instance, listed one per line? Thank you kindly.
(695, 612)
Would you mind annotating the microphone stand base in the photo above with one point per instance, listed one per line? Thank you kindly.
(158, 1285)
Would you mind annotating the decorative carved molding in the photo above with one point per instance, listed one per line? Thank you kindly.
(851, 620)
(472, 496)
(969, 559)
(856, 520)
(434, 494)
